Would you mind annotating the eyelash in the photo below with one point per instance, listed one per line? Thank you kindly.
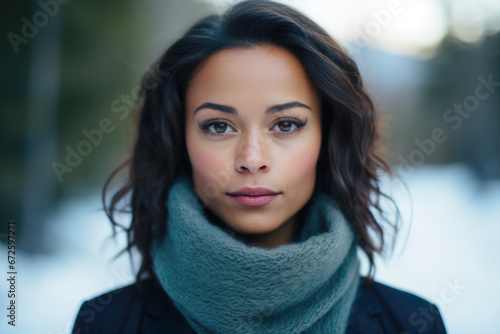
(299, 123)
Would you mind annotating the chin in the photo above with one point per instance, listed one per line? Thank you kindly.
(252, 227)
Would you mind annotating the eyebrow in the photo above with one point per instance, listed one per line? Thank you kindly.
(270, 110)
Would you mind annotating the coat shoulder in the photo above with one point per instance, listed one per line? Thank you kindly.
(105, 313)
(396, 310)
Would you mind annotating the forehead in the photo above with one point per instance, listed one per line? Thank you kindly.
(264, 73)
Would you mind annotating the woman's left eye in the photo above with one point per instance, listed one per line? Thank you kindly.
(290, 126)
(286, 126)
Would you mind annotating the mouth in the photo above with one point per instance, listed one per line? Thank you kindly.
(258, 196)
(248, 191)
(259, 200)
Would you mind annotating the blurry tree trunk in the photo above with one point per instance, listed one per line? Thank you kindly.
(42, 105)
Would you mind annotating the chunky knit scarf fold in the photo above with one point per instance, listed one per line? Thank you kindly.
(222, 285)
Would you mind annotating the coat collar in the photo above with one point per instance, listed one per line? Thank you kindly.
(161, 316)
(365, 311)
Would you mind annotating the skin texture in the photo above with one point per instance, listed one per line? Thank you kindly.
(252, 148)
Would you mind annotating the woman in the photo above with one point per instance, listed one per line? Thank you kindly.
(253, 178)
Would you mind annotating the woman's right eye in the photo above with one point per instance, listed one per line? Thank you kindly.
(215, 127)
(219, 127)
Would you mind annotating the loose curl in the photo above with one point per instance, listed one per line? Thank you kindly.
(350, 157)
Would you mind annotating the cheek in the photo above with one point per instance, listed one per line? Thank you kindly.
(303, 160)
(305, 164)
(206, 163)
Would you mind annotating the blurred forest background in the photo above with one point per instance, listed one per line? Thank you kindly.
(71, 68)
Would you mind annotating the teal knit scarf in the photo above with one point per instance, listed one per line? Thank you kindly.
(222, 285)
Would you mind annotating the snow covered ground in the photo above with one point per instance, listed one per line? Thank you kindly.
(448, 255)
(451, 253)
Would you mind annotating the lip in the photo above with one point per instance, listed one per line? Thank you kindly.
(248, 191)
(254, 196)
(254, 200)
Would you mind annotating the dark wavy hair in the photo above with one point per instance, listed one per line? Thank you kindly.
(350, 156)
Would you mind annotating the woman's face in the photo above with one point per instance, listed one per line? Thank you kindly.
(233, 142)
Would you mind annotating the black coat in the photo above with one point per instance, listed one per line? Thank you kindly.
(378, 308)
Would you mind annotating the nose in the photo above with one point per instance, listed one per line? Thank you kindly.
(253, 155)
